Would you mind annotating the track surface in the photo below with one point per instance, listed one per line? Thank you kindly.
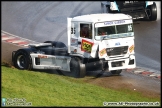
(41, 21)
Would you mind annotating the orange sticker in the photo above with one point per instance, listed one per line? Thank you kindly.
(131, 48)
(42, 56)
(86, 46)
(102, 52)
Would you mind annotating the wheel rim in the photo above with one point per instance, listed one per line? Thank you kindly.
(21, 61)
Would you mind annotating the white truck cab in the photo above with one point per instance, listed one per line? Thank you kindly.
(95, 42)
(108, 37)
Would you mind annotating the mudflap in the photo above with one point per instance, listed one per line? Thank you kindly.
(13, 53)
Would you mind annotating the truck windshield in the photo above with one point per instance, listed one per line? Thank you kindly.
(114, 31)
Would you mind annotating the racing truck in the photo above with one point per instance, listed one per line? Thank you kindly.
(137, 9)
(96, 42)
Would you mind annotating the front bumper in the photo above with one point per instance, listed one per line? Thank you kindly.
(113, 64)
(122, 63)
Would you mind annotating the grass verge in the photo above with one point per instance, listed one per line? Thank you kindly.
(44, 89)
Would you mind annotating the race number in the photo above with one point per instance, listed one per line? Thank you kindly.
(129, 27)
(86, 46)
(73, 30)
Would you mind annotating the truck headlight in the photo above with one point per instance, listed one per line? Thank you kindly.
(131, 57)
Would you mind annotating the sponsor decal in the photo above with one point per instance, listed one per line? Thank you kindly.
(118, 43)
(86, 46)
(102, 52)
(109, 23)
(73, 40)
(119, 22)
(42, 56)
(131, 48)
(114, 22)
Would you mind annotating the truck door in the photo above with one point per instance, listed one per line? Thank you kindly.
(85, 40)
(74, 37)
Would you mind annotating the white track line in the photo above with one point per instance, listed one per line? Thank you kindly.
(17, 41)
(6, 38)
(17, 36)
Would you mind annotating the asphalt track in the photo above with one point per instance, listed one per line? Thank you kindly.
(42, 21)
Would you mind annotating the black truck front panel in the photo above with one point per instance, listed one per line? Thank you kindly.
(137, 9)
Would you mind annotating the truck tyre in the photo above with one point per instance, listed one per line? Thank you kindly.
(116, 72)
(77, 68)
(22, 60)
(153, 12)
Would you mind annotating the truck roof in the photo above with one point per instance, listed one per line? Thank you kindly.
(101, 17)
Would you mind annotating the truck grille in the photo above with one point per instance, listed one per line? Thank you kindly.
(122, 4)
(117, 50)
(135, 9)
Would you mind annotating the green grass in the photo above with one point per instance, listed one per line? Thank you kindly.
(44, 89)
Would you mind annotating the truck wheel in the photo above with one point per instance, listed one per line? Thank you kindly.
(153, 12)
(22, 60)
(117, 72)
(77, 68)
